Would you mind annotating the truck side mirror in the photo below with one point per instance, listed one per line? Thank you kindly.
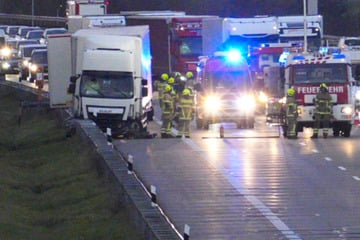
(71, 88)
(144, 92)
(144, 82)
(73, 79)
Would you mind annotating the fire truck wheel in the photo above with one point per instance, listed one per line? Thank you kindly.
(346, 130)
(250, 123)
(199, 123)
(336, 131)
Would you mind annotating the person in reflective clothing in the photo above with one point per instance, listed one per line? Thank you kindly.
(167, 112)
(185, 111)
(160, 86)
(323, 111)
(291, 114)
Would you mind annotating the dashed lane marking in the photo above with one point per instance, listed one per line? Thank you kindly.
(342, 168)
(259, 205)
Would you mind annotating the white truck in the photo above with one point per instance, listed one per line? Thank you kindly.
(78, 22)
(86, 7)
(221, 34)
(118, 59)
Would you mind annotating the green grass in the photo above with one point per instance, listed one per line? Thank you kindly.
(49, 185)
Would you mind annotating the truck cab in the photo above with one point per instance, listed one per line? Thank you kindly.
(224, 91)
(305, 72)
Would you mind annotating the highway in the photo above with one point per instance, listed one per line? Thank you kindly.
(253, 184)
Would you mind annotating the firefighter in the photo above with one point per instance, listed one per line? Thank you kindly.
(190, 82)
(160, 84)
(185, 112)
(167, 112)
(291, 114)
(323, 111)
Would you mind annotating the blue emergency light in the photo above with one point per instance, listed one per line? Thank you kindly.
(299, 57)
(233, 55)
(339, 56)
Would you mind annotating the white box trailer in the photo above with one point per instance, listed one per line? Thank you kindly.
(83, 22)
(86, 7)
(119, 60)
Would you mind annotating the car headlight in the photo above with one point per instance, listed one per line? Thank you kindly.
(25, 63)
(263, 98)
(5, 52)
(246, 102)
(212, 103)
(5, 65)
(347, 110)
(33, 67)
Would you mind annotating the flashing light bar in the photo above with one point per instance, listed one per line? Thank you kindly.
(233, 55)
(298, 57)
(339, 56)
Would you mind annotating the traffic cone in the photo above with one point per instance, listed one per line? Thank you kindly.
(221, 131)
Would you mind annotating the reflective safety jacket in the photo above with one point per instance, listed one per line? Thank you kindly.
(186, 108)
(323, 103)
(291, 107)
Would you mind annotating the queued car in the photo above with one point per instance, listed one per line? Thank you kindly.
(50, 31)
(38, 63)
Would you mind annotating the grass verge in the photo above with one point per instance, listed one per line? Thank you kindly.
(49, 185)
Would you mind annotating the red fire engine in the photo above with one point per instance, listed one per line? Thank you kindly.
(305, 72)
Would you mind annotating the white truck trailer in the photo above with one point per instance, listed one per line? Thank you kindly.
(86, 7)
(118, 59)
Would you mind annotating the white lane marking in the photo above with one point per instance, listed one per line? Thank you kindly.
(315, 150)
(260, 206)
(342, 168)
(302, 143)
(356, 178)
(328, 159)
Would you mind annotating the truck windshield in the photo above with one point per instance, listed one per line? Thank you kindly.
(320, 73)
(107, 84)
(219, 81)
(190, 46)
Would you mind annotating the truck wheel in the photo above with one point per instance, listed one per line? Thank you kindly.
(199, 123)
(336, 132)
(250, 123)
(206, 124)
(150, 114)
(346, 130)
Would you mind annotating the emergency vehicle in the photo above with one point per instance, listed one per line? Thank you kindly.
(224, 91)
(305, 73)
(265, 67)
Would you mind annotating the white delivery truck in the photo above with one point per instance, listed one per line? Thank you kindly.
(110, 77)
(86, 7)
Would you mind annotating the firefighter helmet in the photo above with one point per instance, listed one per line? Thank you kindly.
(186, 92)
(291, 92)
(189, 74)
(165, 76)
(168, 88)
(171, 80)
(323, 85)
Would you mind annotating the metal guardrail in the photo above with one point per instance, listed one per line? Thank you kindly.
(42, 21)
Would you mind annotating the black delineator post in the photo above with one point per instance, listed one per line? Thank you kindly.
(186, 232)
(108, 137)
(153, 196)
(130, 161)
